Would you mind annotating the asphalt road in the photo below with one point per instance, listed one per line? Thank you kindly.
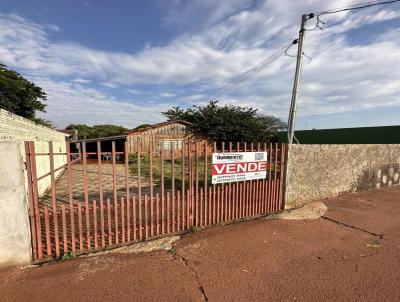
(352, 253)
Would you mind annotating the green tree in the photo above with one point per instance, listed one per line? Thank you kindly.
(228, 122)
(20, 96)
(96, 131)
(142, 126)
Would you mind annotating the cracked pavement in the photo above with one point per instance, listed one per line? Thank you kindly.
(352, 253)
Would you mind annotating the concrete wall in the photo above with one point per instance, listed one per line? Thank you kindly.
(18, 129)
(322, 171)
(15, 245)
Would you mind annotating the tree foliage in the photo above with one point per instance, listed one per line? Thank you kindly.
(20, 96)
(96, 131)
(228, 122)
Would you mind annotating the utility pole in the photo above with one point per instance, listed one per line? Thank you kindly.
(292, 112)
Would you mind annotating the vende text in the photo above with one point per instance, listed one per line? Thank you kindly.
(235, 168)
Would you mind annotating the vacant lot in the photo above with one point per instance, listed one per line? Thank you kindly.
(351, 254)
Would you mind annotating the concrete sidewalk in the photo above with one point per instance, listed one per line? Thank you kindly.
(352, 253)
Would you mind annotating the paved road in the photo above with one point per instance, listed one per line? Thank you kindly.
(351, 254)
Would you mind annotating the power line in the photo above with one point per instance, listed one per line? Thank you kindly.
(354, 7)
(253, 71)
(305, 17)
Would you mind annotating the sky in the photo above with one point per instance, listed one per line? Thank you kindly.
(124, 62)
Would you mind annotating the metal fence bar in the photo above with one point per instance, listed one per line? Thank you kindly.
(275, 208)
(47, 230)
(86, 192)
(122, 219)
(71, 198)
(53, 199)
(102, 224)
(281, 180)
(146, 216)
(64, 228)
(158, 214)
(168, 213)
(31, 209)
(109, 222)
(80, 226)
(95, 234)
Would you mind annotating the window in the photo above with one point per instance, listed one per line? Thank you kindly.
(168, 144)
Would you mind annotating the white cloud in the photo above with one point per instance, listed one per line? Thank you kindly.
(73, 103)
(234, 36)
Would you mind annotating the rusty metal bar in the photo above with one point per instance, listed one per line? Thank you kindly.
(151, 216)
(109, 222)
(162, 187)
(206, 200)
(168, 212)
(114, 175)
(96, 244)
(151, 170)
(146, 216)
(71, 199)
(122, 219)
(128, 219)
(188, 219)
(162, 216)
(134, 223)
(86, 192)
(197, 182)
(200, 223)
(172, 146)
(158, 214)
(80, 226)
(275, 175)
(47, 229)
(64, 226)
(183, 182)
(269, 176)
(116, 221)
(99, 168)
(209, 208)
(178, 210)
(230, 202)
(53, 199)
(103, 240)
(126, 159)
(140, 220)
(281, 176)
(139, 182)
(32, 223)
(87, 216)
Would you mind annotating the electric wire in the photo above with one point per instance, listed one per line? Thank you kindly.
(253, 71)
(354, 7)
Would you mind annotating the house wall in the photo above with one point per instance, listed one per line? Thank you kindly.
(14, 128)
(151, 138)
(321, 171)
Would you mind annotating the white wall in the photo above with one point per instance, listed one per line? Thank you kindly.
(18, 129)
(15, 244)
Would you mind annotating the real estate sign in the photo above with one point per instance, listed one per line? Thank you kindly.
(238, 166)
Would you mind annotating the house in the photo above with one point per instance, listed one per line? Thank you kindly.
(162, 136)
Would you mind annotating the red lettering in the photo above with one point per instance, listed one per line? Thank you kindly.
(235, 168)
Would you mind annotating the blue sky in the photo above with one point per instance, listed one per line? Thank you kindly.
(124, 62)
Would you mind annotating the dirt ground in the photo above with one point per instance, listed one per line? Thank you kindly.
(352, 253)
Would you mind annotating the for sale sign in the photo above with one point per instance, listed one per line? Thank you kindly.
(239, 166)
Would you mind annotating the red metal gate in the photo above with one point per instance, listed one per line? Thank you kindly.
(100, 198)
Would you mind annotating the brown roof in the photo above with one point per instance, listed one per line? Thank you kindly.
(157, 125)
